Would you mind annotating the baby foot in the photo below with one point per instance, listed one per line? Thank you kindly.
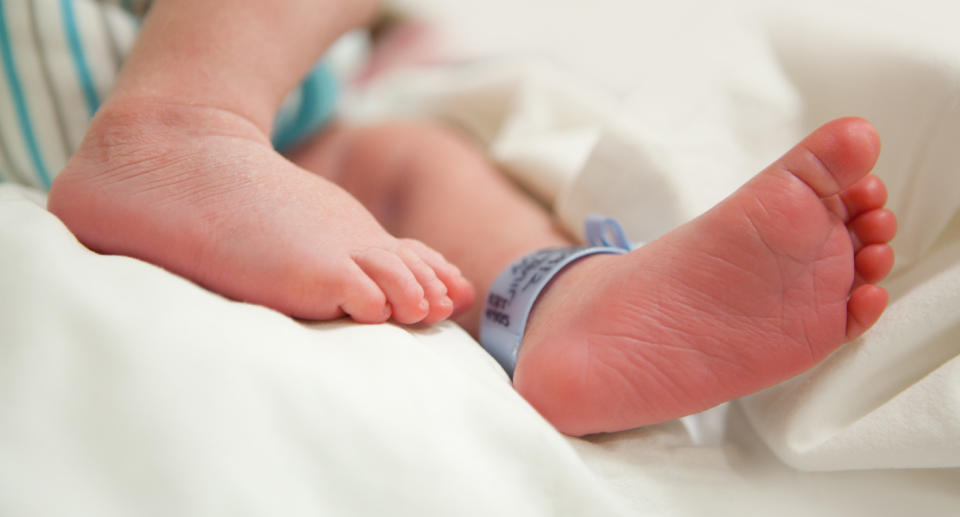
(756, 290)
(199, 191)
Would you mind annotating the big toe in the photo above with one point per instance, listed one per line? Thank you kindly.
(835, 156)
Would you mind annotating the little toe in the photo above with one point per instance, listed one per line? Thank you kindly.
(873, 227)
(363, 300)
(873, 263)
(864, 308)
(835, 156)
(459, 289)
(403, 291)
(434, 290)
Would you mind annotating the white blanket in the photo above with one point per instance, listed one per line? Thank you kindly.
(127, 390)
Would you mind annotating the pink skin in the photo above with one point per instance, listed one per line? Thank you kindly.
(177, 169)
(756, 290)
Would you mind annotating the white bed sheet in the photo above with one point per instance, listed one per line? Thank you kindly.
(126, 390)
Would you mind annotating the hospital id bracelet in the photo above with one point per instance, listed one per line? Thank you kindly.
(514, 292)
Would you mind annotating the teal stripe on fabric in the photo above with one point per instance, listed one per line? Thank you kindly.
(79, 58)
(19, 101)
(318, 97)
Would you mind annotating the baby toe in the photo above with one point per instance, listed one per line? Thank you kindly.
(834, 157)
(873, 262)
(864, 309)
(362, 299)
(459, 289)
(873, 227)
(867, 194)
(404, 293)
(435, 291)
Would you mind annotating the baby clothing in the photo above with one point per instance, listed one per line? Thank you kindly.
(59, 60)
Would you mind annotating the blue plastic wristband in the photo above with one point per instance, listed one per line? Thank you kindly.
(514, 292)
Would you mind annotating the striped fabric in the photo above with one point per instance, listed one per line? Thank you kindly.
(59, 60)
